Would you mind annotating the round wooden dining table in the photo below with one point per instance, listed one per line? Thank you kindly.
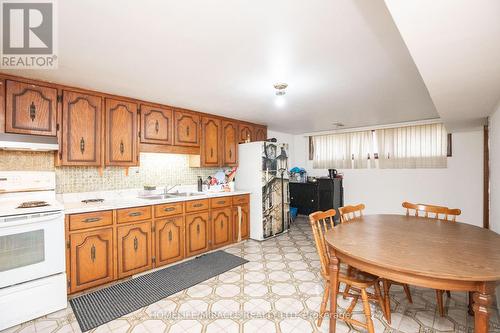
(419, 251)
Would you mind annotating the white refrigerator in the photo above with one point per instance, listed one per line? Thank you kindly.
(263, 171)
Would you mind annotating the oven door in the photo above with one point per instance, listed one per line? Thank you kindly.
(31, 247)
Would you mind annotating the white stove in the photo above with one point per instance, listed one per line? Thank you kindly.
(32, 252)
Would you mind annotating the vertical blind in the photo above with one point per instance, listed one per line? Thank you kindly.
(422, 146)
(343, 151)
(418, 146)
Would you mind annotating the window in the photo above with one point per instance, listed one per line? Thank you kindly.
(417, 146)
(343, 150)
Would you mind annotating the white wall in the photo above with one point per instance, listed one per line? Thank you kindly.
(383, 190)
(494, 132)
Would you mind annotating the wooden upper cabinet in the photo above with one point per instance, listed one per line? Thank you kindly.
(134, 248)
(81, 129)
(260, 133)
(30, 109)
(229, 143)
(121, 133)
(210, 142)
(156, 125)
(186, 129)
(91, 258)
(246, 133)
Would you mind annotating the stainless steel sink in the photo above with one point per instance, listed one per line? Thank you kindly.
(172, 195)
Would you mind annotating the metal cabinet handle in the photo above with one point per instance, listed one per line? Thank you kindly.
(157, 127)
(133, 214)
(230, 153)
(32, 111)
(92, 219)
(198, 205)
(122, 147)
(92, 253)
(187, 131)
(169, 209)
(211, 152)
(221, 202)
(221, 225)
(197, 228)
(82, 145)
(136, 244)
(170, 235)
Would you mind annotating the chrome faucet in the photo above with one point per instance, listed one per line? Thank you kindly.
(171, 188)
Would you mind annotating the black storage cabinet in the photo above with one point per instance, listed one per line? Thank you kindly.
(323, 194)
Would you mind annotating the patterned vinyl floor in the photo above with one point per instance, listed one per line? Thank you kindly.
(279, 290)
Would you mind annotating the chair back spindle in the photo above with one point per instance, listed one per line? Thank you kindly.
(348, 213)
(431, 211)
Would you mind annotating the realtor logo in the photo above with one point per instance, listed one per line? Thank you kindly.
(28, 30)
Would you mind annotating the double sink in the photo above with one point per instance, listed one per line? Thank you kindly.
(172, 195)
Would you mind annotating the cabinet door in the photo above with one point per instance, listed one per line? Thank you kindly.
(30, 109)
(156, 125)
(229, 143)
(186, 129)
(260, 133)
(210, 142)
(197, 233)
(245, 133)
(169, 240)
(245, 222)
(222, 227)
(121, 133)
(134, 248)
(81, 129)
(91, 259)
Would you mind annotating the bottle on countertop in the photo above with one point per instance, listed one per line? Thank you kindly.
(200, 184)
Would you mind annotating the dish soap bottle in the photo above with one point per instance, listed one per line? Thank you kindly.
(200, 184)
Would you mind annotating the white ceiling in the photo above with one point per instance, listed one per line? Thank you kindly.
(456, 47)
(344, 60)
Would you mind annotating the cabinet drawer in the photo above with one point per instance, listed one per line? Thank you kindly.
(240, 199)
(133, 214)
(196, 205)
(169, 209)
(220, 202)
(90, 220)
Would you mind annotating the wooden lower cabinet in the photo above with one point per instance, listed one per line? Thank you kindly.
(245, 222)
(105, 246)
(91, 258)
(221, 227)
(169, 240)
(197, 233)
(134, 248)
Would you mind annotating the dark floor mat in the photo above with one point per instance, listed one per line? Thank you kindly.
(104, 305)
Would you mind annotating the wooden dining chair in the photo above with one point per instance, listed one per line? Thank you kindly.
(321, 222)
(349, 213)
(431, 211)
(438, 213)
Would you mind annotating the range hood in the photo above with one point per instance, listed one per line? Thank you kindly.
(27, 142)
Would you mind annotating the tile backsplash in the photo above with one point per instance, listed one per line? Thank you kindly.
(154, 169)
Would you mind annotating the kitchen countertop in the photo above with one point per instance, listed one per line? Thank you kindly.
(125, 199)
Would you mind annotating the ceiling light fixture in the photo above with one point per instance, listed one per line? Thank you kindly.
(280, 88)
